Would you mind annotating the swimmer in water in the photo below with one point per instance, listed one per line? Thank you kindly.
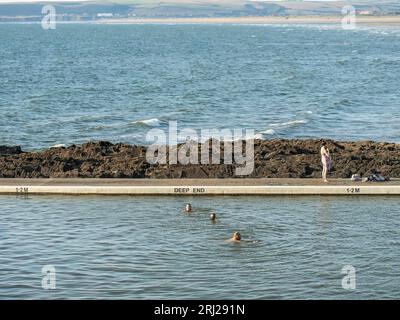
(213, 217)
(188, 208)
(236, 237)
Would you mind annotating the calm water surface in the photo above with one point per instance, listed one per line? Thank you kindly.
(145, 247)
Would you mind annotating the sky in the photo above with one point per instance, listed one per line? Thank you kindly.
(26, 1)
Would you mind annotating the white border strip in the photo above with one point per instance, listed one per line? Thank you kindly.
(202, 190)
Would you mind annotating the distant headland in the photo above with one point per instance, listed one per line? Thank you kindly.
(200, 11)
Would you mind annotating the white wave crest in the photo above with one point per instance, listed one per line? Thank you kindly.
(154, 122)
(289, 123)
(268, 132)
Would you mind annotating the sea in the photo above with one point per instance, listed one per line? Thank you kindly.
(85, 82)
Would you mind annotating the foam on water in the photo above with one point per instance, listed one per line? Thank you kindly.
(153, 122)
(268, 132)
(288, 124)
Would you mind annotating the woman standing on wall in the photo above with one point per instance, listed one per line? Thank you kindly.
(326, 161)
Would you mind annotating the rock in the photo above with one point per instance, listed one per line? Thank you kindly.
(6, 150)
(271, 155)
(307, 171)
(278, 158)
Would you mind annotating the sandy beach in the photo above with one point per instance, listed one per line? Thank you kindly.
(362, 20)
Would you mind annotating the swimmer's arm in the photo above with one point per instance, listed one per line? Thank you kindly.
(232, 241)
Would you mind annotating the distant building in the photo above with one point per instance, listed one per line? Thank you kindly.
(365, 12)
(105, 15)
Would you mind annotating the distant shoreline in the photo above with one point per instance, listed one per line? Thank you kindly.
(363, 20)
(266, 20)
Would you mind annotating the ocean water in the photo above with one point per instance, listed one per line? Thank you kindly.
(115, 82)
(147, 248)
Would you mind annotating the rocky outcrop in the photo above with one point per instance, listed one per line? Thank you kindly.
(272, 159)
(6, 150)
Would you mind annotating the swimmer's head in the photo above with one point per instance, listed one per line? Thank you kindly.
(236, 236)
(188, 207)
(213, 216)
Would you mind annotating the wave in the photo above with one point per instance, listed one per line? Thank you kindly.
(202, 139)
(154, 122)
(289, 123)
(61, 145)
(386, 61)
(258, 136)
(268, 132)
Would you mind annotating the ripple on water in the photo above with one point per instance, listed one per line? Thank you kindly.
(221, 86)
(136, 247)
